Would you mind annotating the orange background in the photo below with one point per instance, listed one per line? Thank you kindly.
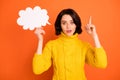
(17, 46)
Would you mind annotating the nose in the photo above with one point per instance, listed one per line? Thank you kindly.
(68, 26)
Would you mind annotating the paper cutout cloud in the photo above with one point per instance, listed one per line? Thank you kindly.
(33, 18)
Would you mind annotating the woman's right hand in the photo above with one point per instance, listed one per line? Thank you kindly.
(39, 32)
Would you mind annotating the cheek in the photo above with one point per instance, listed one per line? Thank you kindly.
(74, 28)
(63, 27)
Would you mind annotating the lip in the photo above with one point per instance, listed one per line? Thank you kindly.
(68, 31)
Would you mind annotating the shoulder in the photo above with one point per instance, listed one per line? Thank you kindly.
(84, 43)
(52, 42)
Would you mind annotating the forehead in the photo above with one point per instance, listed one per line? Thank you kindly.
(66, 17)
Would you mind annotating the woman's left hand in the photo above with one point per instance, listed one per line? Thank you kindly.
(90, 28)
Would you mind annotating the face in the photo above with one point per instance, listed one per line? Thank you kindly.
(67, 24)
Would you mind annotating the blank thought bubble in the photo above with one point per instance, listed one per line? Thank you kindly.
(33, 18)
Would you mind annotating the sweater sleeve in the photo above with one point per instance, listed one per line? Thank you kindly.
(42, 62)
(96, 57)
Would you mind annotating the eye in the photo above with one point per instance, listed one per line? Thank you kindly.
(63, 22)
(72, 22)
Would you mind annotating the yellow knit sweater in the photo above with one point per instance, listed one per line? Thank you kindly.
(68, 56)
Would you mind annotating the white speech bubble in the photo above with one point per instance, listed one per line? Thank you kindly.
(33, 18)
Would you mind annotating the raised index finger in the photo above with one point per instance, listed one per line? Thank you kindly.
(90, 20)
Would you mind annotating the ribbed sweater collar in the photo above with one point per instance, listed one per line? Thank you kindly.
(68, 38)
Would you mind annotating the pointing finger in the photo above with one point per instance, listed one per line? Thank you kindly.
(90, 20)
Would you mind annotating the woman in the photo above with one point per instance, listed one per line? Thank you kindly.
(67, 53)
